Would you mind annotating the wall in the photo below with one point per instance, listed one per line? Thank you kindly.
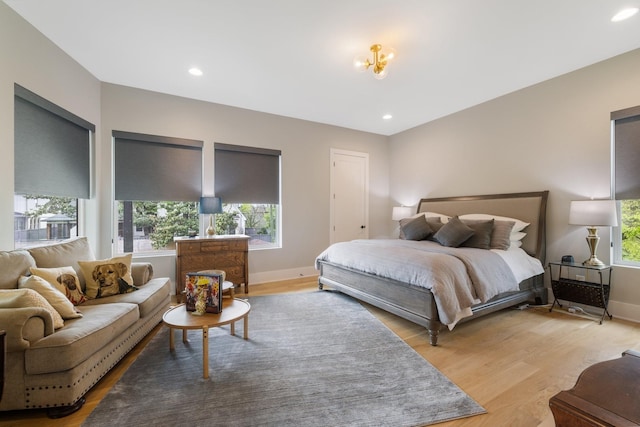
(31, 60)
(305, 150)
(551, 136)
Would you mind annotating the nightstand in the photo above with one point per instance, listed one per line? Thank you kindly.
(582, 284)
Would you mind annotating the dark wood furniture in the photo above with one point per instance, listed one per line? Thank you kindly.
(417, 304)
(588, 292)
(606, 394)
(229, 253)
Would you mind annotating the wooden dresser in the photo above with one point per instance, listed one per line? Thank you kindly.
(229, 253)
(606, 394)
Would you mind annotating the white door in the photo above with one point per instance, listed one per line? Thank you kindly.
(349, 195)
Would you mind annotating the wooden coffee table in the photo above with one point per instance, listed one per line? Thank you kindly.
(232, 311)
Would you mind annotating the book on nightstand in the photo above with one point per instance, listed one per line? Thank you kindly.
(204, 286)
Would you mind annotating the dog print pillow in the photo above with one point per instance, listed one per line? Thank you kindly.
(64, 279)
(108, 277)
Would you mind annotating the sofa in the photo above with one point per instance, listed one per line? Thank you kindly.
(52, 361)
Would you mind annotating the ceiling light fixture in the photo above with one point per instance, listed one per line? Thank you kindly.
(195, 71)
(387, 117)
(624, 14)
(379, 63)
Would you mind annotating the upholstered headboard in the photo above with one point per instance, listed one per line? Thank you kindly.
(528, 207)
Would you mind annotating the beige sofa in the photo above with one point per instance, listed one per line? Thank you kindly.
(54, 368)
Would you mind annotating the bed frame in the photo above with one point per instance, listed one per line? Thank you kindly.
(417, 304)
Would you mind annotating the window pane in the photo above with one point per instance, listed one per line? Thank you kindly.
(630, 230)
(259, 221)
(39, 219)
(151, 226)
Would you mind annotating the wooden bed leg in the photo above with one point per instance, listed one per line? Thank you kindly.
(433, 336)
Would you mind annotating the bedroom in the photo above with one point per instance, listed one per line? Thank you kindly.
(560, 126)
(551, 136)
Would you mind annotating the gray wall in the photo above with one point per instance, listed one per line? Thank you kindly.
(551, 136)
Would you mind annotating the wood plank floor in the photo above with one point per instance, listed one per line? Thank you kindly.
(510, 362)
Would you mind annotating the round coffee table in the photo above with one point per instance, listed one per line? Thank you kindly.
(232, 311)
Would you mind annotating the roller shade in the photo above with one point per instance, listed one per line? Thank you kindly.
(157, 168)
(247, 174)
(626, 127)
(52, 154)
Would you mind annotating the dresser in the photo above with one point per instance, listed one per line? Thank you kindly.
(225, 252)
(606, 394)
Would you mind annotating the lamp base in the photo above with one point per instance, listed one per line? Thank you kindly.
(211, 231)
(593, 262)
(592, 241)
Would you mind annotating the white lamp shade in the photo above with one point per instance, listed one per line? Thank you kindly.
(596, 213)
(400, 212)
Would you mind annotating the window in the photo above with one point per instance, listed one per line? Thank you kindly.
(247, 179)
(626, 182)
(158, 183)
(56, 144)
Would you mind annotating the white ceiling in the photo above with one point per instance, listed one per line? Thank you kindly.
(294, 57)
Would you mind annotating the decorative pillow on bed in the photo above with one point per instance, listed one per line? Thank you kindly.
(501, 235)
(453, 233)
(415, 228)
(518, 226)
(481, 238)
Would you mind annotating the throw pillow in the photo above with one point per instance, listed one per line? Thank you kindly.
(500, 237)
(108, 277)
(56, 298)
(415, 228)
(63, 279)
(481, 238)
(20, 298)
(453, 233)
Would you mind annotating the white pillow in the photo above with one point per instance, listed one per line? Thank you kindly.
(53, 296)
(443, 218)
(519, 226)
(19, 298)
(517, 236)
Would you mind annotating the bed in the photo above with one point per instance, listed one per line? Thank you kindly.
(418, 295)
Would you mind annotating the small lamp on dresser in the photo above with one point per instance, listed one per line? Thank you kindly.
(210, 205)
(593, 214)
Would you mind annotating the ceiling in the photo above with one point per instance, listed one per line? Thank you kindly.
(295, 57)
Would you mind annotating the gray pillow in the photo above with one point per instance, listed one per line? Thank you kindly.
(500, 237)
(482, 230)
(435, 223)
(453, 233)
(415, 228)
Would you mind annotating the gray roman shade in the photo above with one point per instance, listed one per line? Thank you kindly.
(247, 174)
(52, 154)
(157, 168)
(626, 128)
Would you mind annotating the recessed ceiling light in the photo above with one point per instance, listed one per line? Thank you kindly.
(387, 117)
(624, 14)
(195, 71)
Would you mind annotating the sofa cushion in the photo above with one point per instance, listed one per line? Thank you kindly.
(68, 252)
(148, 297)
(80, 338)
(51, 294)
(14, 264)
(106, 277)
(65, 280)
(22, 298)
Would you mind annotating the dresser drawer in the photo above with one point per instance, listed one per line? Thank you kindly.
(223, 245)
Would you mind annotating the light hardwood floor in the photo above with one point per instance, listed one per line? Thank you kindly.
(510, 362)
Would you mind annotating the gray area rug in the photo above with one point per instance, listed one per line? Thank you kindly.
(312, 359)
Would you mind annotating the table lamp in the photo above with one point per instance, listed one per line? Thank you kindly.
(210, 205)
(593, 214)
(400, 212)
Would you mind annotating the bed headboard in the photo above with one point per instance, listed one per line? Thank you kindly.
(528, 207)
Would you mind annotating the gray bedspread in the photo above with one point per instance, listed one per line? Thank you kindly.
(457, 277)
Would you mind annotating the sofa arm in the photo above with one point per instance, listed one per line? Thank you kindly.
(25, 325)
(141, 272)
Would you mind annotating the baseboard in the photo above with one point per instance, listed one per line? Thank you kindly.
(619, 310)
(281, 275)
